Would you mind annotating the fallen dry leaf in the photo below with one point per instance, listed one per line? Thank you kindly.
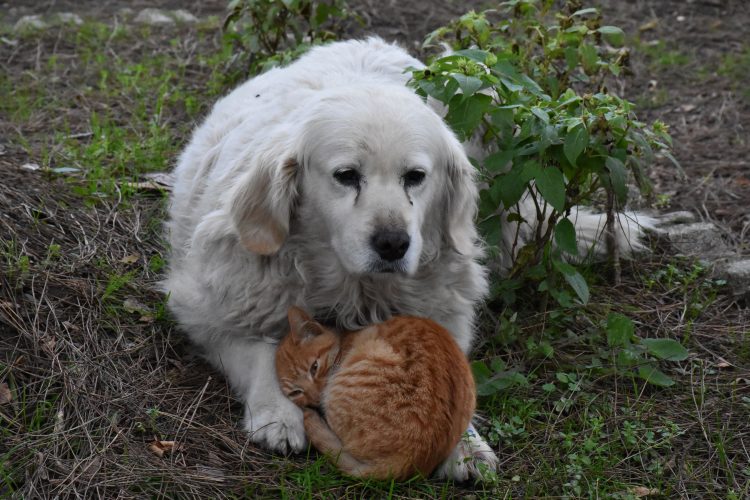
(643, 491)
(131, 259)
(132, 305)
(70, 326)
(48, 344)
(157, 181)
(146, 318)
(5, 395)
(159, 448)
(161, 178)
(649, 25)
(147, 186)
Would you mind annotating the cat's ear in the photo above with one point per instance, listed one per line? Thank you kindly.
(302, 326)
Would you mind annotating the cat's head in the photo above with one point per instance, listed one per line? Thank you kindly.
(304, 358)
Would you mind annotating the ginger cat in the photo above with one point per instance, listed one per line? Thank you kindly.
(389, 401)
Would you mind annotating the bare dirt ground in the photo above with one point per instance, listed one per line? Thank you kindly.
(94, 376)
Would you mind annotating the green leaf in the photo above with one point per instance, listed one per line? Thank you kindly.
(551, 185)
(497, 162)
(618, 177)
(480, 370)
(589, 58)
(498, 365)
(571, 58)
(540, 113)
(575, 143)
(620, 330)
(477, 55)
(489, 383)
(574, 279)
(565, 236)
(583, 12)
(666, 349)
(653, 375)
(579, 286)
(614, 35)
(465, 114)
(491, 230)
(468, 84)
(510, 189)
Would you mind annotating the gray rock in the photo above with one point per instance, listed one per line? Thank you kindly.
(183, 16)
(67, 18)
(27, 23)
(702, 240)
(158, 17)
(126, 13)
(737, 274)
(154, 17)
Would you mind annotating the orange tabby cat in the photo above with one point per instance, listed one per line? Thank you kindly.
(395, 397)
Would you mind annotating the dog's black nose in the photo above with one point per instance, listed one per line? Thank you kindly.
(390, 245)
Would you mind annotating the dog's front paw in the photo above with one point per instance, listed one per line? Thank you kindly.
(472, 458)
(276, 425)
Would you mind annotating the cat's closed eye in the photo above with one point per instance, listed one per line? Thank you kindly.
(295, 393)
(314, 368)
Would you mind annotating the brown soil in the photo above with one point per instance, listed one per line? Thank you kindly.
(107, 371)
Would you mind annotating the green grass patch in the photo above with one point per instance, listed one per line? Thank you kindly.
(118, 113)
(663, 55)
(736, 66)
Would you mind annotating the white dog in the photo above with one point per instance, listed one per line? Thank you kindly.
(330, 185)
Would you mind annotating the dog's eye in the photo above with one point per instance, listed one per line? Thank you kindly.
(314, 368)
(413, 178)
(347, 177)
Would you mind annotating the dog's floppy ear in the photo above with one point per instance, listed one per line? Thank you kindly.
(462, 194)
(261, 204)
(302, 326)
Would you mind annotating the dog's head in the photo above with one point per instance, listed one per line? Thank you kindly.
(373, 171)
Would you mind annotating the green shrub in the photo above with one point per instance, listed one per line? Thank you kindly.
(267, 33)
(534, 84)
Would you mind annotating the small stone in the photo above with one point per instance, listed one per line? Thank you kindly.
(126, 12)
(67, 18)
(183, 16)
(153, 17)
(27, 23)
(738, 276)
(700, 239)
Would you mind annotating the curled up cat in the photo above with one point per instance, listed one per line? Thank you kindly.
(389, 401)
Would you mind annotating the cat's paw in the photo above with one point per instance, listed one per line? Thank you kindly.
(276, 426)
(472, 458)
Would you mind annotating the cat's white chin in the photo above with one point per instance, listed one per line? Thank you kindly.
(472, 458)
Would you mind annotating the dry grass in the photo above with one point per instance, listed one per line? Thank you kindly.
(96, 371)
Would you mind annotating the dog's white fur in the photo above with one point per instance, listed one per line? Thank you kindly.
(258, 222)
